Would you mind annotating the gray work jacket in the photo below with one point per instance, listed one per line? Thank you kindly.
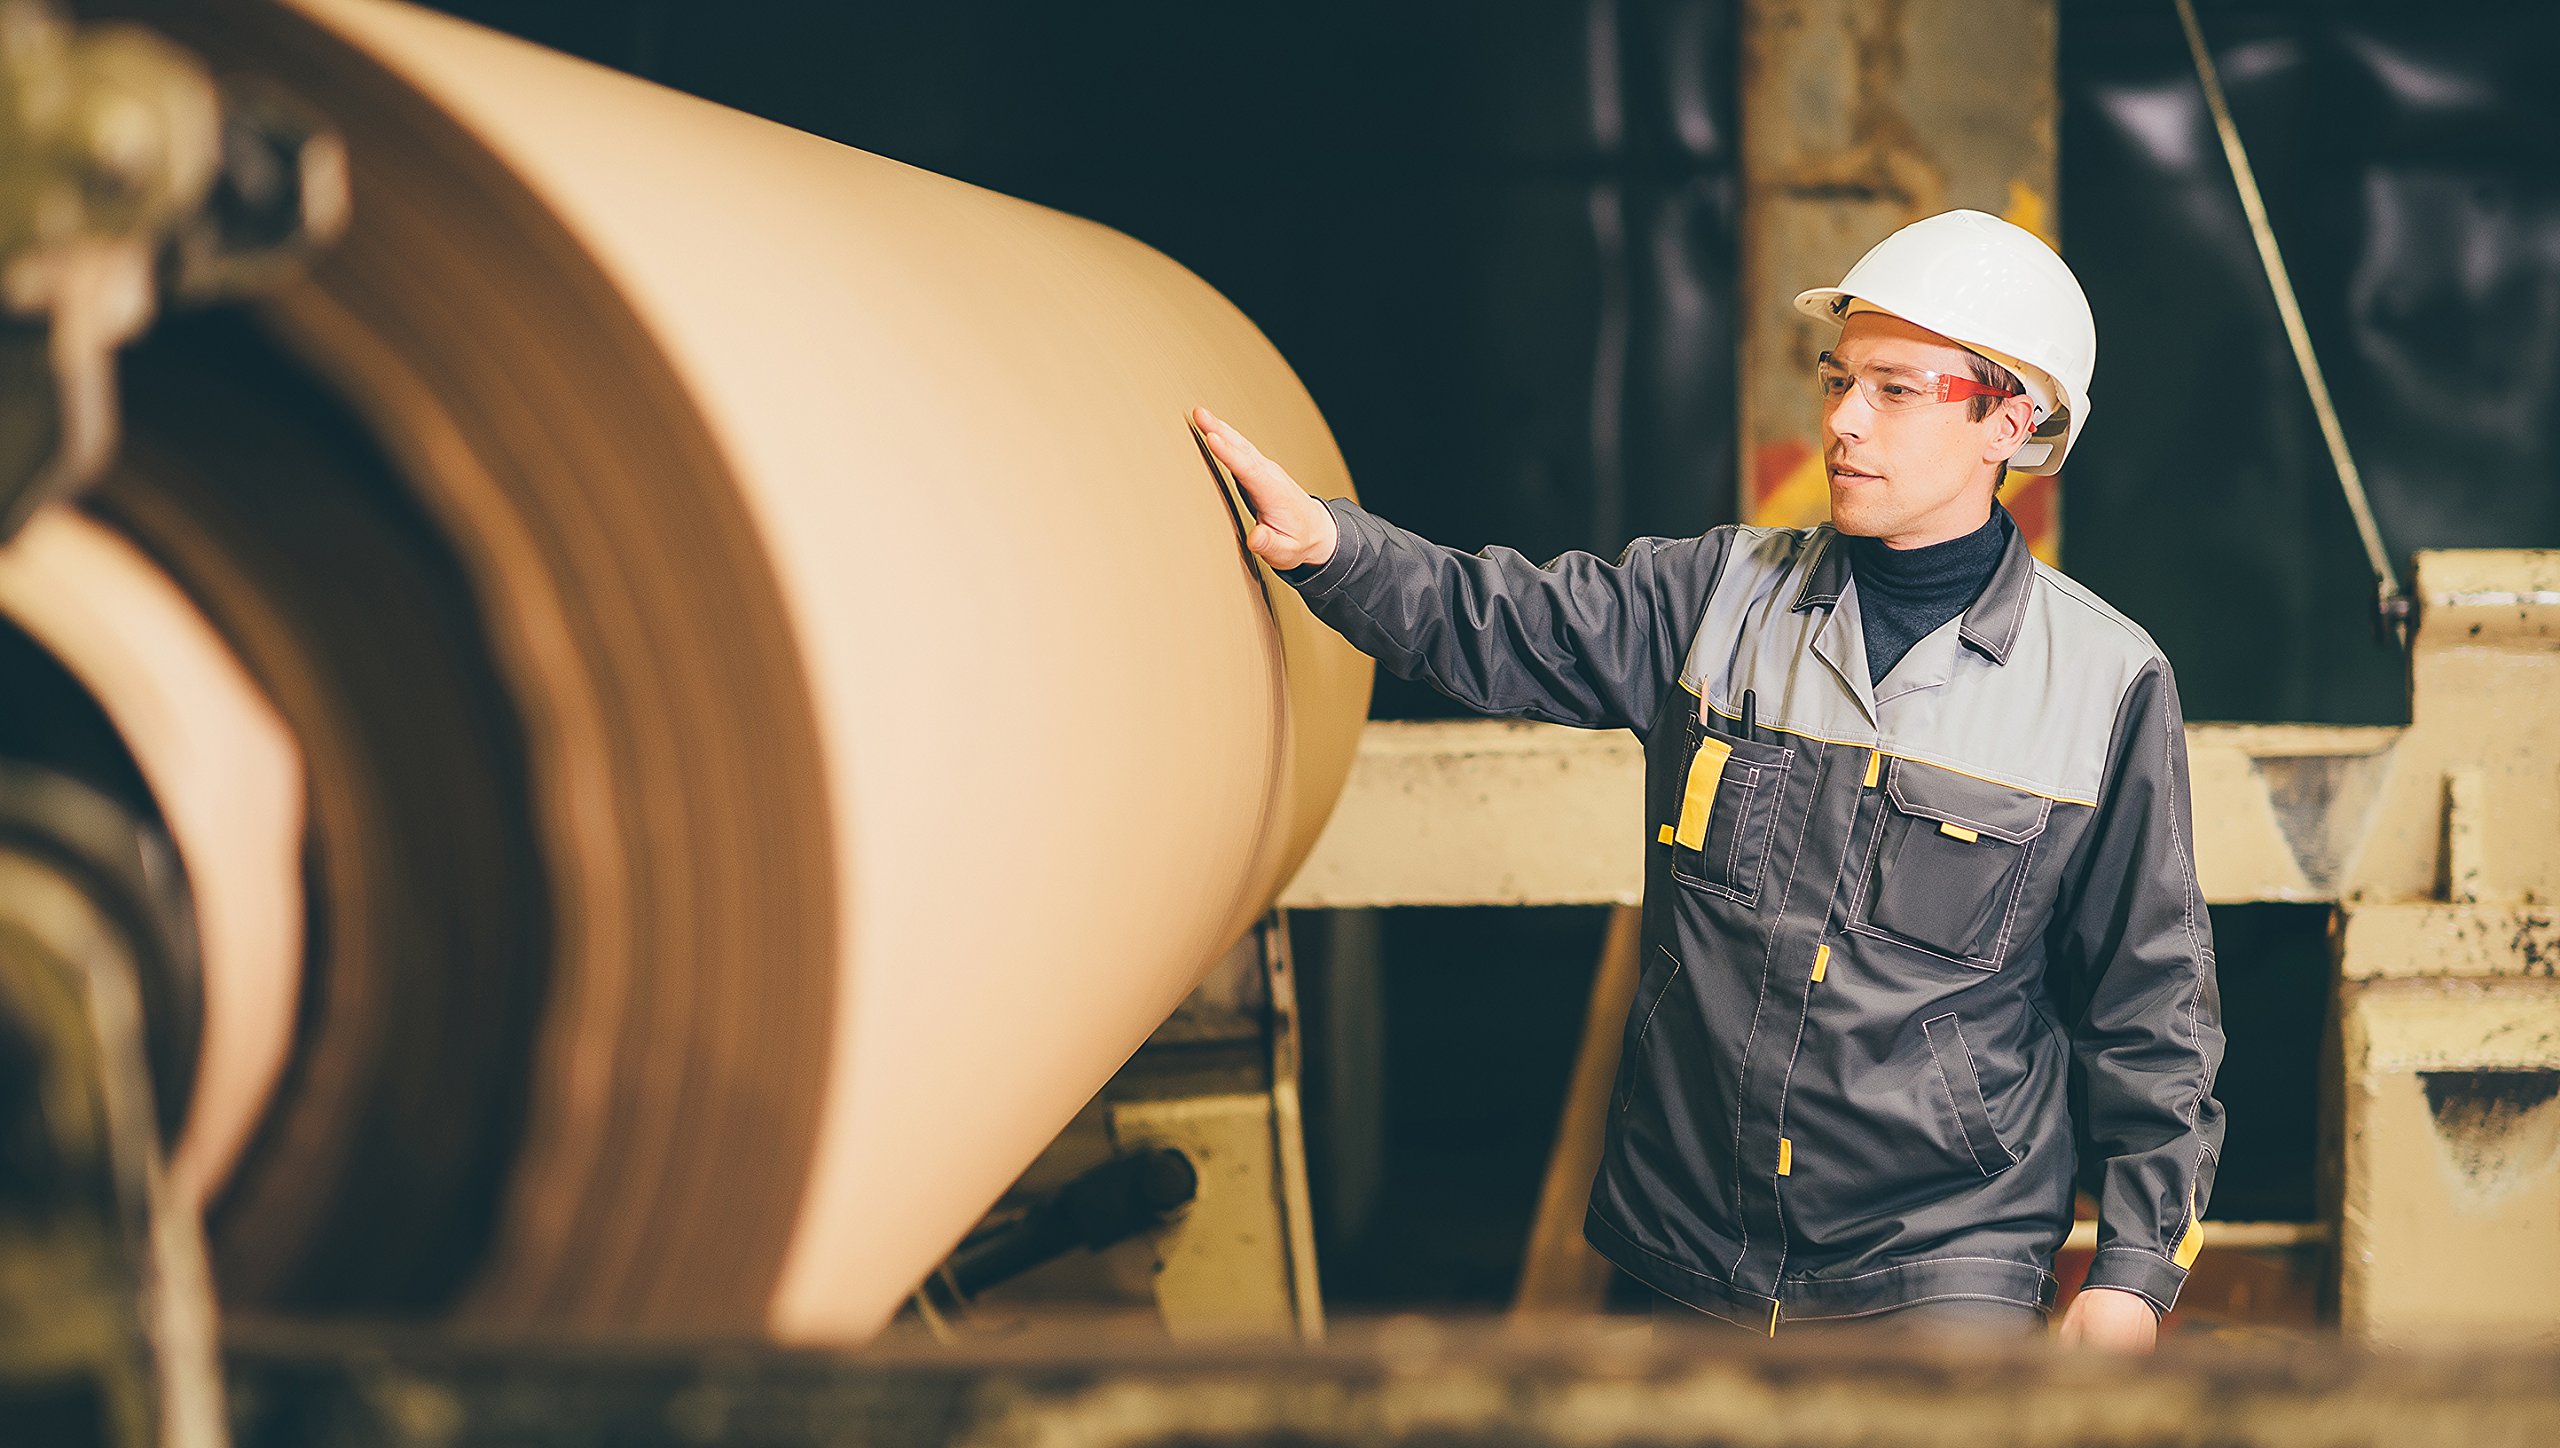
(1886, 931)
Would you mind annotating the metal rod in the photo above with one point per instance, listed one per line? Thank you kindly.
(2349, 478)
(1288, 1125)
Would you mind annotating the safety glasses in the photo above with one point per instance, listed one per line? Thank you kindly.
(1895, 389)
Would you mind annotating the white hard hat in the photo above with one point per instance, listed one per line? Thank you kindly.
(1998, 290)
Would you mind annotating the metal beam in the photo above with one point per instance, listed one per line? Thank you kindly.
(1475, 812)
(1482, 812)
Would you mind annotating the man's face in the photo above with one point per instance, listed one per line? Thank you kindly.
(1916, 475)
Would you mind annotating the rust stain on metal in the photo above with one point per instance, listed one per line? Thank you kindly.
(2536, 944)
(1860, 116)
(2322, 804)
(1888, 160)
(2497, 1128)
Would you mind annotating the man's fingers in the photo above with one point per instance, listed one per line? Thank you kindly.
(1218, 427)
(1232, 447)
(1267, 487)
(1265, 482)
(1291, 526)
(1241, 456)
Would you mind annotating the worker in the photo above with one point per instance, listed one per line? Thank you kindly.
(1917, 833)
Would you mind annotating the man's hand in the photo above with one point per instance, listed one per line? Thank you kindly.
(2110, 1320)
(1294, 527)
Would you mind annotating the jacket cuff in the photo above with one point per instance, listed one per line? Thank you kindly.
(1350, 547)
(2131, 1269)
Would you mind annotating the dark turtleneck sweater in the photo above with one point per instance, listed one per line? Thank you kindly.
(1906, 594)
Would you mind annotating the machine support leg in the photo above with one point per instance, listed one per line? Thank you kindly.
(106, 1314)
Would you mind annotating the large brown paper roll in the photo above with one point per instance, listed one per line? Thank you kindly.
(904, 729)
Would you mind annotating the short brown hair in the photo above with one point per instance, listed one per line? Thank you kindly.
(1990, 374)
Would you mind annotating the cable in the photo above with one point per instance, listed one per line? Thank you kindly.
(2391, 604)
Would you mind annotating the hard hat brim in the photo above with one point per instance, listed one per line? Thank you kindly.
(1823, 304)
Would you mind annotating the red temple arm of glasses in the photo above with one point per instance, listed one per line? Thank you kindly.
(1952, 388)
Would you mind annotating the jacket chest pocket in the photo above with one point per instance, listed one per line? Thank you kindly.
(1724, 812)
(1947, 862)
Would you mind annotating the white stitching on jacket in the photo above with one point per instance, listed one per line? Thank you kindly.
(1860, 913)
(2009, 921)
(1741, 829)
(1859, 927)
(1677, 965)
(2203, 956)
(2044, 811)
(2041, 1274)
(1947, 1084)
(1685, 1269)
(1735, 890)
(1759, 1003)
(1974, 1066)
(1786, 1088)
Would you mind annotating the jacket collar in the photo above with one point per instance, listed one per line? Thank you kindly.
(1829, 576)
(1991, 623)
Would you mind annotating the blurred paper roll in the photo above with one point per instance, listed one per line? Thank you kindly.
(890, 725)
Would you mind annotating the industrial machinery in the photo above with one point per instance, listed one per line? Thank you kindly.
(637, 647)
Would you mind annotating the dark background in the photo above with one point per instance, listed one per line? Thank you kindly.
(2406, 161)
(1497, 242)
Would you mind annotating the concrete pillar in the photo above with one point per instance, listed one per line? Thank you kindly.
(1857, 117)
(2449, 1103)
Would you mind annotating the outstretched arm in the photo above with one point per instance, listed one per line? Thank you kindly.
(1580, 641)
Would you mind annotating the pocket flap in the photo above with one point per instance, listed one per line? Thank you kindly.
(1757, 755)
(1975, 805)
